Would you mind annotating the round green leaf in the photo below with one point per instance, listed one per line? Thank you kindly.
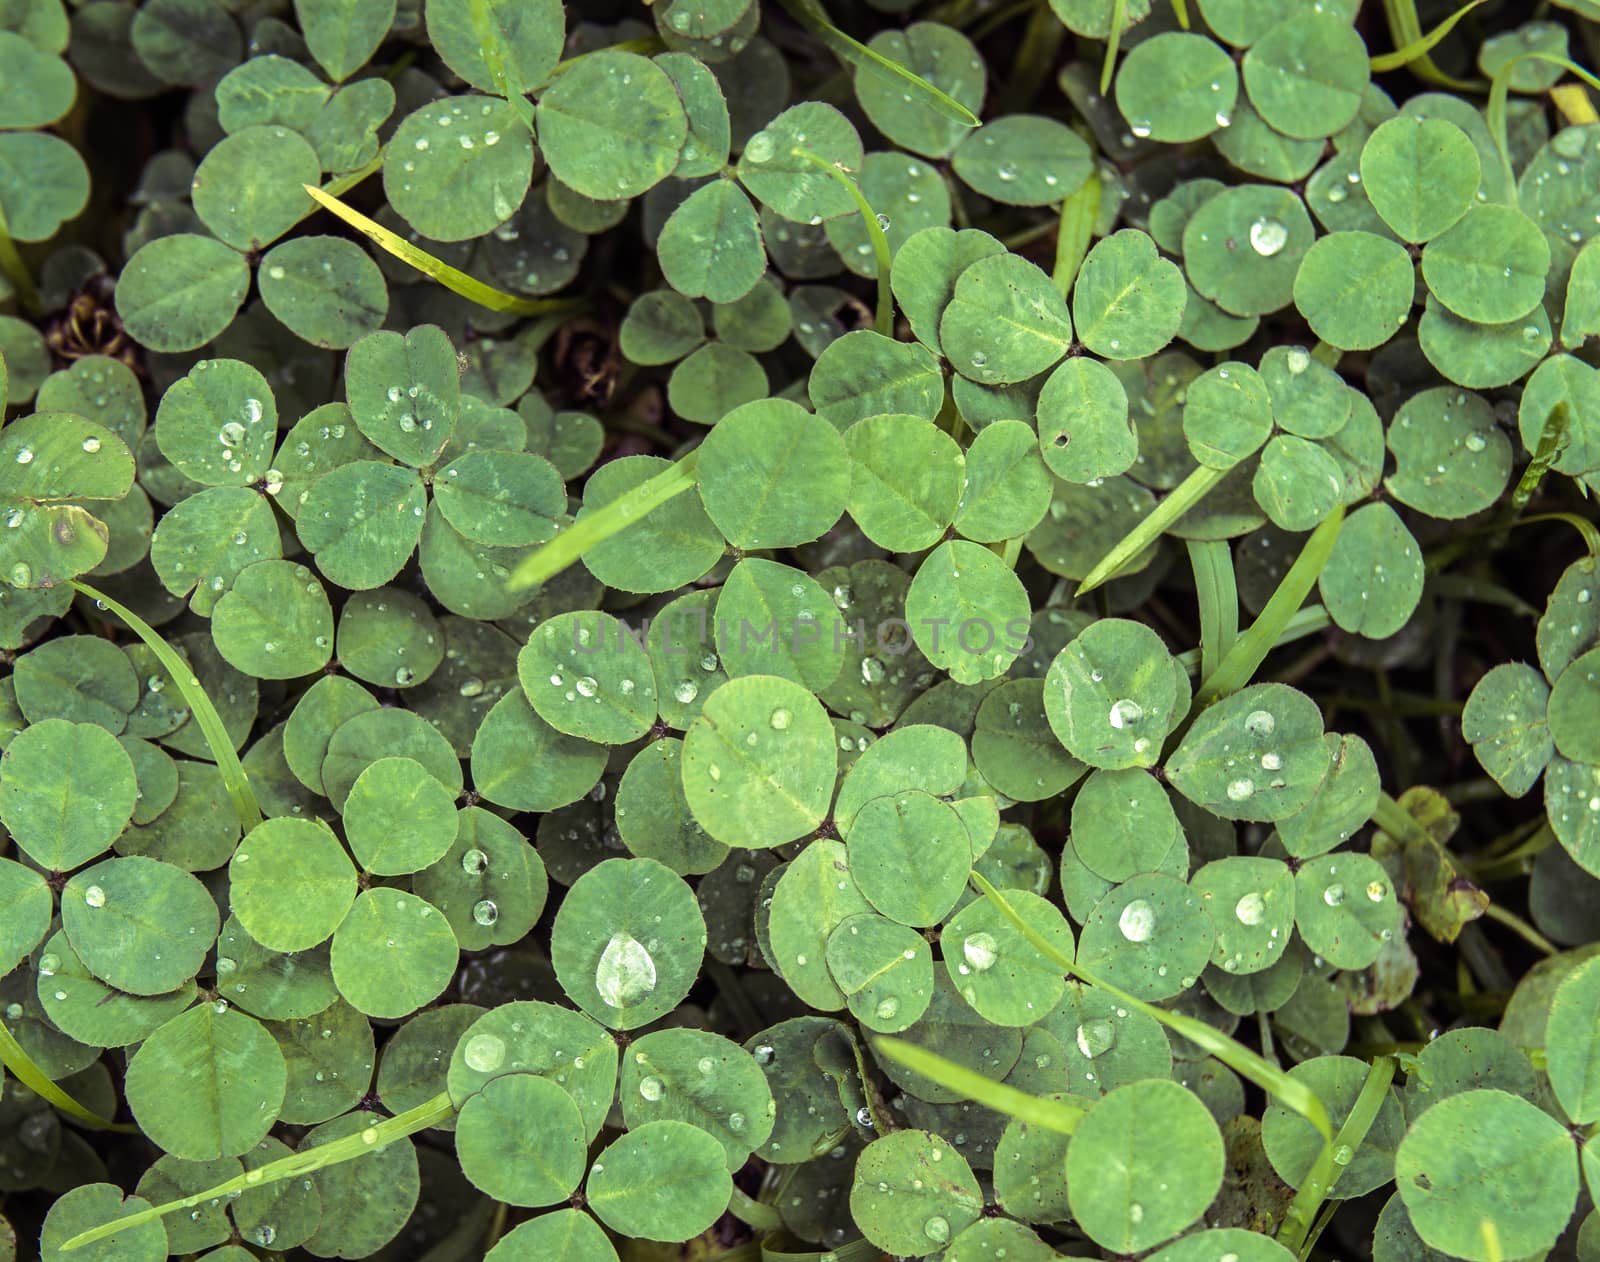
(1243, 247)
(1227, 416)
(759, 762)
(520, 761)
(661, 1181)
(405, 392)
(775, 620)
(93, 1205)
(301, 855)
(713, 381)
(138, 924)
(968, 611)
(1307, 74)
(703, 1079)
(1123, 824)
(393, 953)
(905, 480)
(1128, 301)
(499, 46)
(1112, 695)
(1421, 175)
(398, 818)
(996, 968)
(27, 903)
(249, 189)
(1251, 903)
(1256, 755)
(627, 942)
(773, 475)
(913, 1192)
(1005, 321)
(710, 246)
(218, 424)
(925, 270)
(44, 181)
(66, 793)
(673, 544)
(890, 836)
(459, 166)
(521, 1140)
(1575, 709)
(883, 969)
(1144, 1163)
(1355, 289)
(1151, 935)
(1345, 908)
(1490, 267)
(1177, 87)
(1373, 580)
(612, 126)
(1023, 160)
(325, 290)
(1085, 432)
(924, 48)
(1451, 459)
(564, 1235)
(274, 622)
(1574, 1066)
(1487, 1156)
(588, 676)
(237, 1068)
(363, 521)
(791, 185)
(864, 374)
(1297, 483)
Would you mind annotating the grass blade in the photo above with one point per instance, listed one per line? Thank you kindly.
(1078, 215)
(1119, 18)
(1251, 648)
(600, 525)
(1181, 9)
(1500, 89)
(194, 696)
(456, 281)
(1179, 501)
(810, 15)
(1420, 46)
(1405, 28)
(16, 271)
(884, 320)
(295, 1165)
(1218, 593)
(1053, 1115)
(1308, 1200)
(506, 79)
(15, 1058)
(1246, 1063)
(1307, 621)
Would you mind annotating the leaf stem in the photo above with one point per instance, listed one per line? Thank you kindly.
(1217, 591)
(194, 696)
(752, 1213)
(884, 320)
(16, 270)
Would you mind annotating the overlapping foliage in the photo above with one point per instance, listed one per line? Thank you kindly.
(639, 625)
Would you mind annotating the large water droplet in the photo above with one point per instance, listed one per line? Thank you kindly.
(1124, 713)
(1268, 237)
(1138, 921)
(937, 1229)
(626, 973)
(94, 896)
(980, 951)
(474, 861)
(1094, 1038)
(485, 912)
(651, 1088)
(1250, 908)
(759, 148)
(1333, 895)
(484, 1053)
(1239, 790)
(1260, 723)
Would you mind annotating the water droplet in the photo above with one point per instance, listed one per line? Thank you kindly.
(1094, 1038)
(1268, 237)
(1239, 790)
(91, 444)
(1250, 908)
(937, 1229)
(485, 912)
(651, 1088)
(1333, 895)
(1297, 360)
(1475, 442)
(48, 963)
(470, 687)
(484, 1053)
(21, 574)
(1260, 723)
(1376, 891)
(1140, 128)
(1138, 921)
(225, 965)
(980, 951)
(887, 1008)
(759, 148)
(1124, 713)
(626, 973)
(586, 686)
(1343, 1155)
(231, 434)
(94, 896)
